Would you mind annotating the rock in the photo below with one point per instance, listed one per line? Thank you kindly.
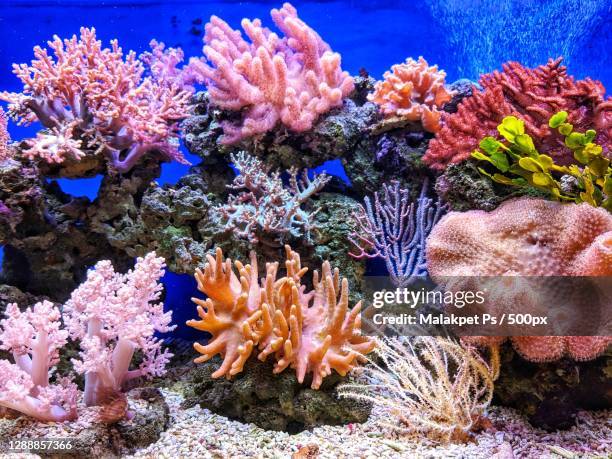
(273, 402)
(335, 134)
(461, 89)
(550, 394)
(147, 424)
(464, 188)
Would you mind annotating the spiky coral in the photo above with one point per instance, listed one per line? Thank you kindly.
(395, 229)
(91, 98)
(265, 207)
(310, 332)
(527, 237)
(293, 79)
(113, 315)
(412, 91)
(34, 338)
(428, 384)
(533, 95)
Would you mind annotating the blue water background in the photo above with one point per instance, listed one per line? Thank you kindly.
(464, 37)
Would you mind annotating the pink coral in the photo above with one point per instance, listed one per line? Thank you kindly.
(527, 237)
(312, 332)
(91, 98)
(412, 91)
(293, 79)
(114, 315)
(5, 151)
(34, 338)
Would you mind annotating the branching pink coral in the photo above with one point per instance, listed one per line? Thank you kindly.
(413, 91)
(312, 332)
(527, 237)
(113, 315)
(265, 206)
(532, 95)
(34, 338)
(5, 151)
(91, 98)
(293, 79)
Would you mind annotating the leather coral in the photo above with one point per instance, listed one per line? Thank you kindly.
(310, 331)
(528, 237)
(291, 79)
(413, 91)
(533, 95)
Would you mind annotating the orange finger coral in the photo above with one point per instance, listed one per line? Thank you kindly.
(413, 91)
(533, 95)
(312, 332)
(527, 237)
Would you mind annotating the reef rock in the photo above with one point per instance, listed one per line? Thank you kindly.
(550, 394)
(273, 402)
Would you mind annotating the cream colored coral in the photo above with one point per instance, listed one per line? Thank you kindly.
(413, 91)
(312, 332)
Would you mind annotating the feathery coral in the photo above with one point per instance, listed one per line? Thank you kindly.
(428, 384)
(533, 95)
(265, 206)
(91, 98)
(293, 79)
(395, 229)
(527, 237)
(413, 91)
(113, 315)
(311, 332)
(34, 338)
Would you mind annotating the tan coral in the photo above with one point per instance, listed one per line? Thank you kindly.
(529, 237)
(412, 91)
(308, 331)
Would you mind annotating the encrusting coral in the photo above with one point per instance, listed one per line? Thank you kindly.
(293, 79)
(92, 99)
(533, 95)
(265, 206)
(413, 91)
(309, 331)
(428, 384)
(527, 237)
(34, 338)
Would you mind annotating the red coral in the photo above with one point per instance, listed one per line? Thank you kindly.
(533, 95)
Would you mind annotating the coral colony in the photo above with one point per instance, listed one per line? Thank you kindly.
(523, 159)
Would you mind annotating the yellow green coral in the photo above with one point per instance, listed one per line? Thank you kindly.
(520, 164)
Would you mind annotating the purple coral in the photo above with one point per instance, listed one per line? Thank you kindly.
(113, 315)
(34, 338)
(395, 229)
(265, 205)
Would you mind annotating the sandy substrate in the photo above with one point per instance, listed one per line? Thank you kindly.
(198, 433)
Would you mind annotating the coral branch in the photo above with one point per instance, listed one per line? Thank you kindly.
(395, 229)
(266, 206)
(114, 315)
(34, 338)
(5, 150)
(90, 98)
(312, 332)
(291, 80)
